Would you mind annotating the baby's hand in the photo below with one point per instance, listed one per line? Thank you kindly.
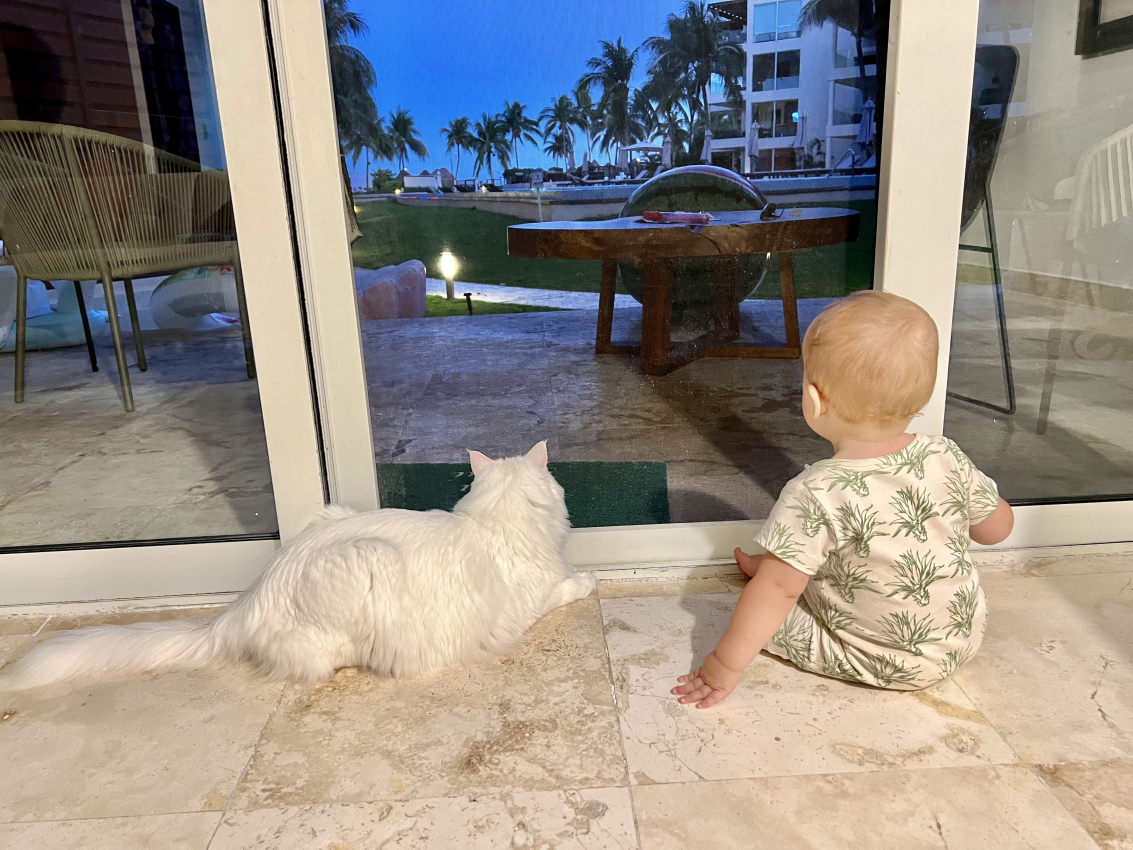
(708, 684)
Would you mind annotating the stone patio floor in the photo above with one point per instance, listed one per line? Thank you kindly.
(192, 461)
(574, 742)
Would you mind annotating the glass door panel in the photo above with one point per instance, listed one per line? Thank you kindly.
(129, 409)
(1040, 374)
(563, 115)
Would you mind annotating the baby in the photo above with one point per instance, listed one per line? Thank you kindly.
(867, 576)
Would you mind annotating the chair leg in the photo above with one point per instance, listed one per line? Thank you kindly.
(1000, 310)
(86, 325)
(119, 351)
(1000, 317)
(135, 326)
(245, 328)
(21, 333)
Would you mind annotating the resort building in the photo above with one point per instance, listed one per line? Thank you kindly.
(804, 92)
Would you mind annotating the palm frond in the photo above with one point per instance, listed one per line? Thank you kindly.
(914, 508)
(858, 526)
(916, 572)
(852, 479)
(837, 665)
(957, 500)
(962, 610)
(830, 615)
(953, 660)
(813, 516)
(779, 541)
(795, 638)
(984, 501)
(958, 546)
(887, 670)
(908, 632)
(846, 578)
(911, 459)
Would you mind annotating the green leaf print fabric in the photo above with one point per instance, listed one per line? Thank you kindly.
(894, 600)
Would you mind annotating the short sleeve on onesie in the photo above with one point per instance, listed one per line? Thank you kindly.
(982, 494)
(800, 529)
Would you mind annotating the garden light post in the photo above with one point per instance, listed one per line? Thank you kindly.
(448, 271)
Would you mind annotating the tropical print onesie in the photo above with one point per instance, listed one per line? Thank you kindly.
(893, 600)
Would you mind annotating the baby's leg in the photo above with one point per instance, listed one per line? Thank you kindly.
(806, 642)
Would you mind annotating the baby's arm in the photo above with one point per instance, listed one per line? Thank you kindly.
(762, 608)
(995, 528)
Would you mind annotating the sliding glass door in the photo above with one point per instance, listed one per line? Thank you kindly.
(155, 397)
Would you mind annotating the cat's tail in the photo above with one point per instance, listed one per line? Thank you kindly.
(109, 650)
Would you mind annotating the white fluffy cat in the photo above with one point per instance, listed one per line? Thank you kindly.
(401, 592)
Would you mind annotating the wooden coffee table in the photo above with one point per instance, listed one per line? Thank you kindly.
(728, 237)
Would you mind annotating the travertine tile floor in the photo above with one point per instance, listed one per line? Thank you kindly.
(574, 741)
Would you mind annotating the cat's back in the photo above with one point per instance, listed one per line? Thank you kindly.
(411, 534)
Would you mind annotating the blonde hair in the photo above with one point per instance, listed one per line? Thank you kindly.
(872, 356)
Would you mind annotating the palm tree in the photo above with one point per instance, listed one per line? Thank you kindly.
(690, 54)
(612, 72)
(405, 138)
(490, 140)
(558, 121)
(518, 125)
(458, 136)
(857, 16)
(561, 146)
(359, 125)
(586, 115)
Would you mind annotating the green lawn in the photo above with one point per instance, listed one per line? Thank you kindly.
(438, 305)
(392, 233)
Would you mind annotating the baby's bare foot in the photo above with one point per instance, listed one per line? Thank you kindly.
(746, 562)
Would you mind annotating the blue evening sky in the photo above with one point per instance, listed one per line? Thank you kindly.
(446, 58)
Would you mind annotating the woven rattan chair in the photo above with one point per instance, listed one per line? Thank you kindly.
(77, 204)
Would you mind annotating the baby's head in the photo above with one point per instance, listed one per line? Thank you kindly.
(870, 364)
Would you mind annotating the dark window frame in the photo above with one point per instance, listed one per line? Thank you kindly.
(1098, 39)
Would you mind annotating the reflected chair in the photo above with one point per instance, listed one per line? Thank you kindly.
(76, 204)
(994, 81)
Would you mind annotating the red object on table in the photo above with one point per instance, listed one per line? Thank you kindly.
(656, 217)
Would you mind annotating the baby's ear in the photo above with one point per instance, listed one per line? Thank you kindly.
(479, 462)
(538, 455)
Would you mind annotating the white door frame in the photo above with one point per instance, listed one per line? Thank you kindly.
(300, 292)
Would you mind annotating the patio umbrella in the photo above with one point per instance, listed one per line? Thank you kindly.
(570, 158)
(800, 137)
(754, 144)
(667, 153)
(865, 129)
(706, 154)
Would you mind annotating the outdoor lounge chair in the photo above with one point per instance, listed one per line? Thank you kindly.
(77, 204)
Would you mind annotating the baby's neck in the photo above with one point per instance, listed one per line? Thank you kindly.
(851, 449)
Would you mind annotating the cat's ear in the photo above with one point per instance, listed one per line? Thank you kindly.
(538, 455)
(479, 462)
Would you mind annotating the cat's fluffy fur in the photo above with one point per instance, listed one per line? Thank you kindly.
(401, 592)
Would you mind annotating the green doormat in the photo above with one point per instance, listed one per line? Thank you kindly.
(597, 494)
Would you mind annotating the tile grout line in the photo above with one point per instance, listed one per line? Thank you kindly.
(618, 717)
(247, 765)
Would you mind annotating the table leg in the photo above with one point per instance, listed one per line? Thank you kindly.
(603, 344)
(656, 316)
(790, 305)
(725, 303)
